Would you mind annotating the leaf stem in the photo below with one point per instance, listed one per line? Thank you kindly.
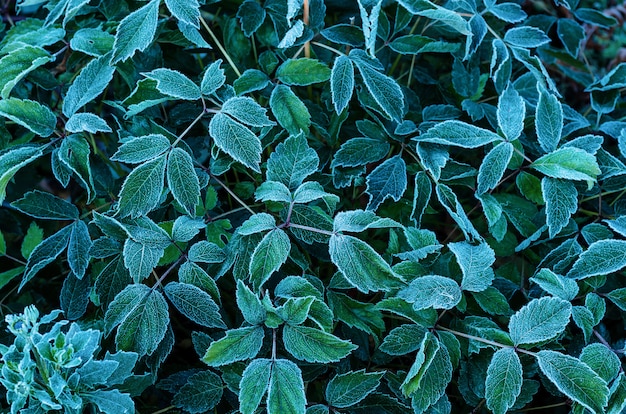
(232, 194)
(191, 125)
(220, 47)
(167, 272)
(164, 410)
(305, 20)
(332, 49)
(483, 340)
(313, 229)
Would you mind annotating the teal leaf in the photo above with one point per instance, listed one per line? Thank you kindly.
(252, 79)
(268, 256)
(493, 167)
(561, 199)
(292, 161)
(78, 249)
(302, 72)
(88, 122)
(250, 305)
(186, 228)
(555, 284)
(142, 188)
(511, 113)
(360, 151)
(88, 85)
(255, 381)
(139, 149)
(18, 64)
(143, 317)
(206, 252)
(110, 401)
(602, 360)
(360, 220)
(273, 191)
(175, 84)
(187, 11)
(314, 345)
(432, 291)
(213, 78)
(387, 180)
(295, 310)
(427, 351)
(369, 21)
(126, 362)
(574, 379)
(601, 258)
(312, 190)
(201, 393)
(403, 339)
(351, 388)
(195, 304)
(475, 263)
(136, 31)
(236, 140)
(569, 164)
(286, 389)
(257, 223)
(422, 191)
(548, 121)
(509, 12)
(92, 41)
(341, 83)
(361, 265)
(292, 35)
(182, 180)
(504, 380)
(247, 111)
(31, 115)
(74, 297)
(571, 34)
(451, 203)
(238, 345)
(618, 297)
(140, 259)
(45, 253)
(540, 320)
(458, 134)
(289, 110)
(439, 14)
(74, 154)
(46, 206)
(193, 274)
(251, 15)
(526, 37)
(385, 90)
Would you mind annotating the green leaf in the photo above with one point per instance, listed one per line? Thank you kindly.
(302, 72)
(34, 236)
(387, 180)
(509, 12)
(254, 383)
(341, 82)
(45, 253)
(268, 256)
(175, 84)
(250, 305)
(201, 393)
(601, 258)
(251, 15)
(540, 320)
(360, 151)
(142, 188)
(142, 316)
(74, 154)
(205, 252)
(88, 85)
(110, 401)
(292, 161)
(295, 310)
(292, 35)
(384, 90)
(314, 345)
(136, 31)
(18, 64)
(361, 220)
(403, 339)
(450, 202)
(182, 180)
(548, 121)
(571, 34)
(252, 79)
(213, 78)
(236, 140)
(493, 167)
(618, 297)
(311, 191)
(193, 274)
(561, 199)
(139, 149)
(351, 388)
(439, 14)
(361, 265)
(7, 276)
(504, 380)
(78, 249)
(186, 228)
(31, 115)
(87, 122)
(411, 44)
(617, 399)
(526, 37)
(602, 360)
(46, 206)
(187, 11)
(427, 351)
(3, 244)
(432, 291)
(289, 110)
(555, 284)
(238, 345)
(568, 163)
(363, 316)
(195, 304)
(140, 259)
(257, 223)
(458, 134)
(511, 113)
(574, 379)
(92, 41)
(475, 263)
(286, 389)
(247, 111)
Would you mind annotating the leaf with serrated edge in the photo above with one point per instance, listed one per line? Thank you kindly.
(601, 258)
(504, 380)
(136, 31)
(187, 11)
(432, 291)
(540, 320)
(142, 188)
(292, 161)
(183, 180)
(511, 113)
(458, 134)
(286, 389)
(250, 305)
(236, 140)
(475, 263)
(574, 379)
(549, 121)
(175, 84)
(46, 206)
(88, 122)
(200, 394)
(561, 199)
(568, 163)
(45, 253)
(348, 389)
(140, 259)
(89, 84)
(341, 82)
(238, 345)
(78, 249)
(31, 115)
(555, 284)
(195, 304)
(206, 252)
(387, 180)
(289, 110)
(139, 149)
(268, 256)
(247, 111)
(18, 64)
(213, 78)
(254, 383)
(314, 345)
(385, 91)
(493, 167)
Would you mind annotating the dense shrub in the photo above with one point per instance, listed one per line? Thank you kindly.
(303, 206)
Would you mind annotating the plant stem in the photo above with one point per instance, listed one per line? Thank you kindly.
(194, 122)
(167, 272)
(483, 340)
(220, 47)
(332, 49)
(305, 20)
(313, 229)
(164, 410)
(232, 194)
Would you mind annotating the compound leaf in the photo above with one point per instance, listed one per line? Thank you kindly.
(292, 161)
